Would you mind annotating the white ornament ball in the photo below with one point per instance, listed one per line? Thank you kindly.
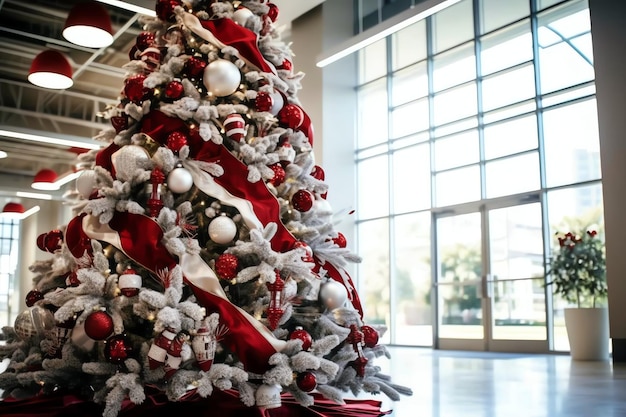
(86, 183)
(221, 78)
(333, 295)
(128, 159)
(268, 396)
(242, 15)
(222, 230)
(179, 180)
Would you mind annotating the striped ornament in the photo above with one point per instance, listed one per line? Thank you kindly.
(234, 125)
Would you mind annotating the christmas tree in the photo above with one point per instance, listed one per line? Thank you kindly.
(202, 258)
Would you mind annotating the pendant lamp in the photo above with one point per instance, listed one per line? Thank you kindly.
(88, 24)
(45, 180)
(50, 69)
(16, 211)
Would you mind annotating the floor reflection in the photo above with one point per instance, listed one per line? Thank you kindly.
(479, 384)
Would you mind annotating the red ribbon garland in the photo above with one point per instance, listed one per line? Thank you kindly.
(140, 238)
(158, 126)
(239, 37)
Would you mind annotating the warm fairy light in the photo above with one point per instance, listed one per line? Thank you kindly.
(151, 317)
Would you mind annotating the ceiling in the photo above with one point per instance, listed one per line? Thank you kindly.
(29, 27)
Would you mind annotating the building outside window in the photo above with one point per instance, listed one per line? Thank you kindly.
(477, 141)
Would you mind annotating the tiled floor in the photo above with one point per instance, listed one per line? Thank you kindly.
(470, 384)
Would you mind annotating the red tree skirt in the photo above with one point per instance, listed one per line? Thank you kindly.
(220, 403)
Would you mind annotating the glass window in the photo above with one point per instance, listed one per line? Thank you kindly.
(542, 4)
(516, 242)
(508, 112)
(454, 67)
(411, 178)
(510, 46)
(9, 254)
(433, 146)
(456, 150)
(497, 13)
(412, 275)
(510, 137)
(373, 187)
(456, 104)
(572, 208)
(508, 87)
(453, 26)
(512, 175)
(457, 186)
(373, 61)
(410, 118)
(572, 146)
(409, 84)
(575, 207)
(561, 63)
(372, 114)
(409, 45)
(374, 272)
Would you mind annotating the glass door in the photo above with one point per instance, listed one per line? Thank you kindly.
(489, 278)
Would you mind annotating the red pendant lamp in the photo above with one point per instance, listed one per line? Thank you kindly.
(50, 69)
(45, 179)
(16, 211)
(12, 207)
(88, 24)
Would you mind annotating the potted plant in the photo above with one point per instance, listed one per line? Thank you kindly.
(578, 273)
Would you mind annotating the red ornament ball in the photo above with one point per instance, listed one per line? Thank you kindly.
(370, 336)
(144, 40)
(226, 266)
(263, 101)
(118, 348)
(279, 174)
(318, 173)
(306, 381)
(99, 325)
(303, 335)
(134, 89)
(194, 67)
(291, 116)
(340, 240)
(286, 65)
(176, 140)
(174, 90)
(32, 297)
(165, 9)
(54, 238)
(272, 13)
(302, 200)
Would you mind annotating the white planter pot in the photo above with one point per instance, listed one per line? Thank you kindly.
(588, 333)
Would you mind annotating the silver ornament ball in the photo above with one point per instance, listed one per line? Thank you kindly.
(333, 295)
